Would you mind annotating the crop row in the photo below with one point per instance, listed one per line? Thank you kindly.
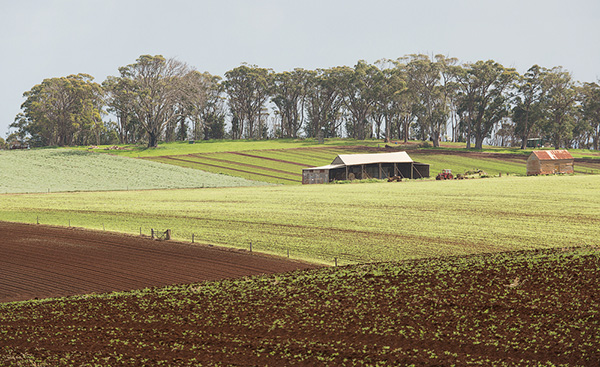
(525, 308)
(274, 166)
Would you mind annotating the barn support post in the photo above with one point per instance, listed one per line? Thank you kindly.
(395, 169)
(362, 171)
(380, 172)
(412, 169)
(346, 173)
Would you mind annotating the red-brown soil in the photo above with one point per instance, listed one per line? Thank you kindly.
(529, 308)
(41, 261)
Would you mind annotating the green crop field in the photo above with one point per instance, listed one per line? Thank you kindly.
(530, 308)
(53, 170)
(353, 222)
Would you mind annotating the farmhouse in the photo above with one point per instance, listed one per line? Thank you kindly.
(363, 166)
(548, 162)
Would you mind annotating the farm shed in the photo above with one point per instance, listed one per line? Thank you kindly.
(363, 166)
(548, 162)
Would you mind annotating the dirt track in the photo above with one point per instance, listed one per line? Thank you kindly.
(41, 261)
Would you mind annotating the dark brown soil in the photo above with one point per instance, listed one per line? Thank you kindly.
(530, 308)
(41, 261)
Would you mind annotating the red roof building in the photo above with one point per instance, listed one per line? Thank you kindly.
(549, 162)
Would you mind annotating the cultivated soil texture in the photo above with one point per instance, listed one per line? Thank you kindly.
(528, 308)
(41, 261)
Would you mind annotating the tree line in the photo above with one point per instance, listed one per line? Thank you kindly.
(414, 97)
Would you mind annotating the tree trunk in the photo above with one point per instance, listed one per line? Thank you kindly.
(152, 140)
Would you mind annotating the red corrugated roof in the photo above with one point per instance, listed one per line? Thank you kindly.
(552, 154)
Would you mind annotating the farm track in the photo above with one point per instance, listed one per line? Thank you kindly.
(41, 262)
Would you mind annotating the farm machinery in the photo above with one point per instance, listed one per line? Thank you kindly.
(446, 174)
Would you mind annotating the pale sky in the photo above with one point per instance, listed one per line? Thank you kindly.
(42, 39)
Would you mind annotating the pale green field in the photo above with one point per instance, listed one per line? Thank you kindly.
(353, 222)
(54, 170)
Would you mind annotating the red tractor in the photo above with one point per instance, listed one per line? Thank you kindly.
(446, 174)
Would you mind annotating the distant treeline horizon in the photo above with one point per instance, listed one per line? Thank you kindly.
(415, 97)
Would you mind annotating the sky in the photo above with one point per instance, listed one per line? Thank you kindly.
(42, 39)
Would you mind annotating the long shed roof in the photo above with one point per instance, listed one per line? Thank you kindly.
(552, 154)
(343, 160)
(354, 159)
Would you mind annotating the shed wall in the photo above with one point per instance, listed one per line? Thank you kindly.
(536, 166)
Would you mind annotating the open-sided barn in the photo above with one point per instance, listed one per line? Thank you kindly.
(548, 162)
(363, 166)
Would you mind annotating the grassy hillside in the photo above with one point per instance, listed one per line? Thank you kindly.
(354, 222)
(53, 170)
(527, 309)
(216, 146)
(281, 161)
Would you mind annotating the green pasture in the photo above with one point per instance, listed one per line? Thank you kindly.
(53, 170)
(215, 146)
(353, 223)
(462, 164)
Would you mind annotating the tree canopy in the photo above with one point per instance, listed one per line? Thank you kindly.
(413, 97)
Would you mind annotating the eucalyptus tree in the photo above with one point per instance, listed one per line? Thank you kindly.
(483, 97)
(247, 89)
(423, 76)
(211, 122)
(559, 102)
(589, 97)
(323, 102)
(204, 92)
(119, 103)
(359, 89)
(289, 90)
(528, 112)
(448, 89)
(155, 87)
(62, 111)
(388, 98)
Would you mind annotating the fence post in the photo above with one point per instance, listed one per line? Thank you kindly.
(152, 233)
(250, 246)
(192, 238)
(38, 220)
(168, 234)
(288, 252)
(335, 259)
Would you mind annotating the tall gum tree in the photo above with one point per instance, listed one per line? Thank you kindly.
(247, 88)
(589, 96)
(482, 94)
(62, 111)
(559, 101)
(527, 113)
(289, 96)
(155, 87)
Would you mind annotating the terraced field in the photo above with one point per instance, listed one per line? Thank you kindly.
(284, 166)
(273, 166)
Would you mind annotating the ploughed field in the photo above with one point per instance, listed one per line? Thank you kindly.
(537, 307)
(42, 261)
